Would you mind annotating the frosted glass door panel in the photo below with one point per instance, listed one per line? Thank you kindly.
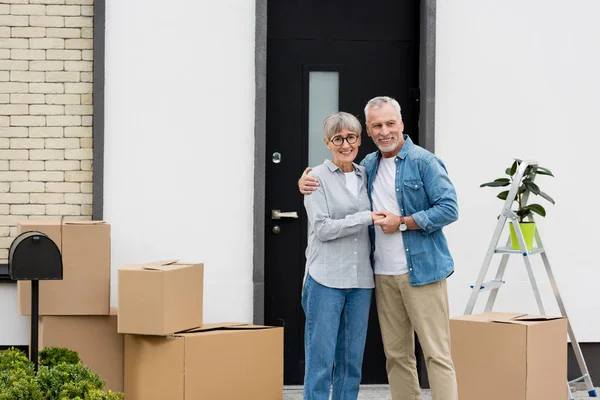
(323, 99)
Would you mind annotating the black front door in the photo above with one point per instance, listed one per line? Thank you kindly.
(325, 54)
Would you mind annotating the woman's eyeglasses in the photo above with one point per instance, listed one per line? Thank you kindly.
(338, 140)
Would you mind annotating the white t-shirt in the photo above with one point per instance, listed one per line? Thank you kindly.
(352, 182)
(389, 248)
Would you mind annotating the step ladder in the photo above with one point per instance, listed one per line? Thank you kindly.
(508, 215)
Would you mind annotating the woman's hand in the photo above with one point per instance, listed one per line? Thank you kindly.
(376, 216)
(307, 184)
(389, 222)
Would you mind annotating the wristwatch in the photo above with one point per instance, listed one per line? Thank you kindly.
(402, 226)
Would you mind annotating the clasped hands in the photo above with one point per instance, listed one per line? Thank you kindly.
(388, 221)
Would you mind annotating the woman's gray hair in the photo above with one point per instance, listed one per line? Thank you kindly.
(335, 123)
(378, 102)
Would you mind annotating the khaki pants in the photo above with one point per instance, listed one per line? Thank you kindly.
(404, 309)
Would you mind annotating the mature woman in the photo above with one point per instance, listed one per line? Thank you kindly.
(337, 292)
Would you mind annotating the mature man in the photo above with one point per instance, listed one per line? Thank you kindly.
(410, 186)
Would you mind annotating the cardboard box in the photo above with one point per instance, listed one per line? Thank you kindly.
(85, 288)
(500, 356)
(94, 337)
(215, 362)
(160, 298)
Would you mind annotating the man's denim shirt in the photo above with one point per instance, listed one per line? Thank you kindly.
(423, 191)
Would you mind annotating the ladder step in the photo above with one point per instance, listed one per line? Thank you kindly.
(582, 377)
(485, 286)
(591, 393)
(510, 250)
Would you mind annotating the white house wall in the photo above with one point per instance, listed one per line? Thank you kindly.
(520, 79)
(179, 142)
(14, 328)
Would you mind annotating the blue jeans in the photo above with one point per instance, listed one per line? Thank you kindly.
(334, 339)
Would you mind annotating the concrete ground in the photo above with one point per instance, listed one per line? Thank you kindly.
(380, 392)
(367, 392)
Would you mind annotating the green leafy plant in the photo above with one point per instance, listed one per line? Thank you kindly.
(77, 390)
(52, 356)
(14, 359)
(61, 376)
(97, 394)
(527, 186)
(19, 384)
(68, 381)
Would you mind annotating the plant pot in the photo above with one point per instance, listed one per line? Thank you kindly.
(528, 229)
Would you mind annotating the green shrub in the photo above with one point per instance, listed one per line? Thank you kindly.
(97, 394)
(19, 385)
(68, 381)
(77, 390)
(61, 376)
(14, 359)
(52, 356)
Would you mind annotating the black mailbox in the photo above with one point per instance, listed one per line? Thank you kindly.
(34, 256)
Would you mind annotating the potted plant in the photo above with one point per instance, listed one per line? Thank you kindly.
(527, 186)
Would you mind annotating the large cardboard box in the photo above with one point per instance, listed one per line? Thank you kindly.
(94, 337)
(500, 356)
(160, 298)
(215, 362)
(85, 288)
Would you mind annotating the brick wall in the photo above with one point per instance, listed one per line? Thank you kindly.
(45, 112)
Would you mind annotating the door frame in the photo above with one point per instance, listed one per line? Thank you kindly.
(426, 127)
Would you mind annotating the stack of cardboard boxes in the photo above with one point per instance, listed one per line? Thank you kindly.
(75, 313)
(170, 354)
(156, 346)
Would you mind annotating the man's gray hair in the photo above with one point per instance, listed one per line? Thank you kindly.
(378, 102)
(335, 123)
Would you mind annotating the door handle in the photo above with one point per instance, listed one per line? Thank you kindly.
(277, 214)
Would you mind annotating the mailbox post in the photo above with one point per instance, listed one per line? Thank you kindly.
(33, 256)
